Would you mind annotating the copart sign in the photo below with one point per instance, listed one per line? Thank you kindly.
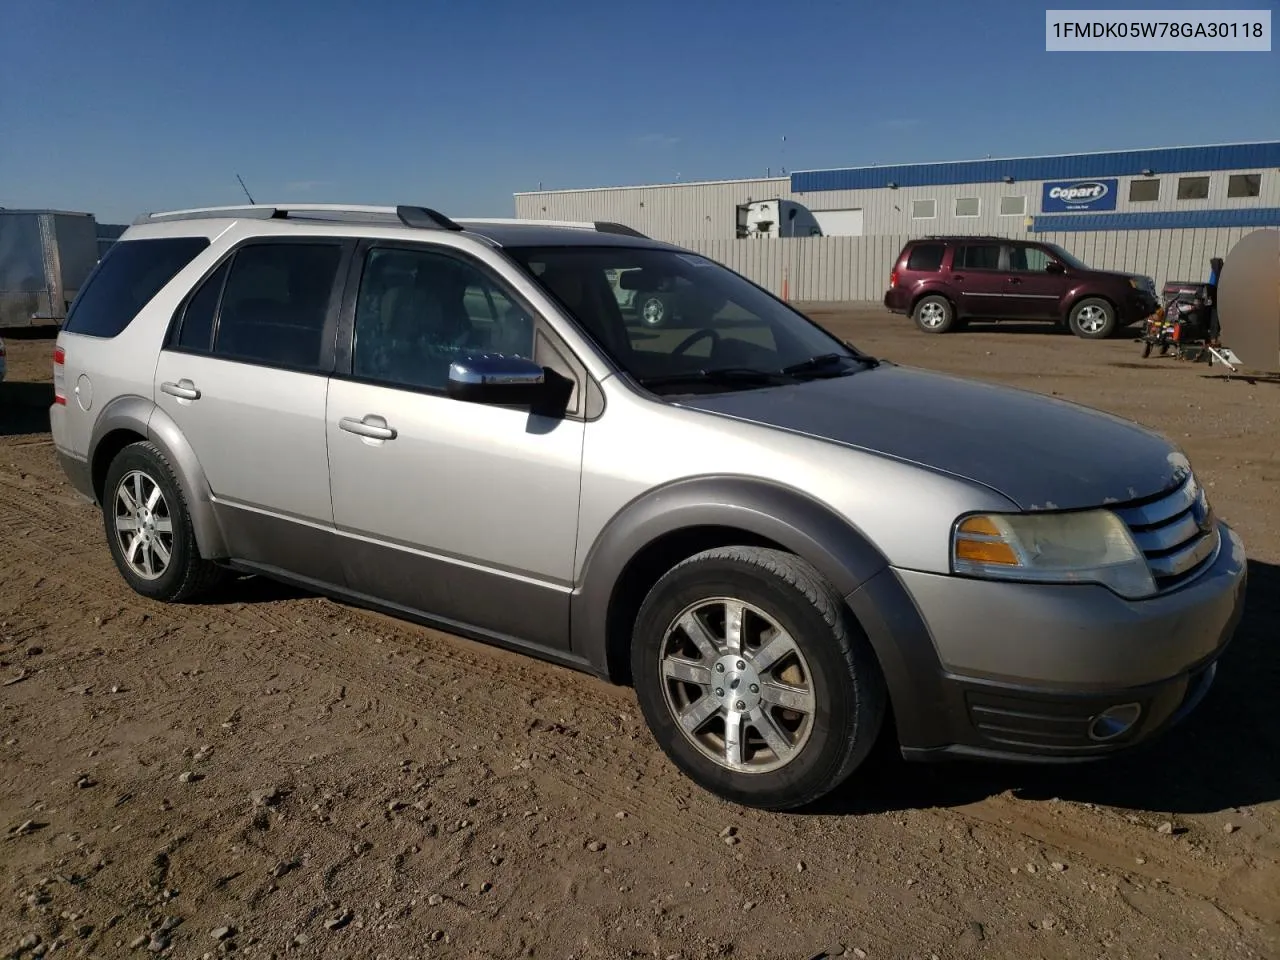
(1070, 196)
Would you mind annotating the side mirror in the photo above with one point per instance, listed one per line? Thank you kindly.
(497, 379)
(1054, 266)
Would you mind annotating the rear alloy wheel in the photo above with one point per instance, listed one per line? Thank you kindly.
(1092, 319)
(149, 529)
(933, 314)
(754, 678)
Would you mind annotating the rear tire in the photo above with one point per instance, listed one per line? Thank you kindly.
(149, 530)
(1092, 319)
(933, 314)
(778, 719)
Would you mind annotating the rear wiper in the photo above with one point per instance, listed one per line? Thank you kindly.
(745, 376)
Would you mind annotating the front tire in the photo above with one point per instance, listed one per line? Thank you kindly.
(1092, 319)
(933, 314)
(755, 679)
(149, 529)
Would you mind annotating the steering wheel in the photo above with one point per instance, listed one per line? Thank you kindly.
(693, 338)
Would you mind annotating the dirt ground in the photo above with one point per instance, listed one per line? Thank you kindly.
(273, 774)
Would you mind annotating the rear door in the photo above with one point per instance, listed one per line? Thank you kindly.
(1031, 290)
(244, 375)
(978, 276)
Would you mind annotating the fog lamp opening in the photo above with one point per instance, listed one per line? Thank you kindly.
(1114, 722)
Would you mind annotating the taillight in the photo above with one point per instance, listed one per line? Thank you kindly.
(893, 279)
(59, 375)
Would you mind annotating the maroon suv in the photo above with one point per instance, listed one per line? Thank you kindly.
(943, 282)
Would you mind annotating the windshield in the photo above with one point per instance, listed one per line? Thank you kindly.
(1067, 258)
(678, 321)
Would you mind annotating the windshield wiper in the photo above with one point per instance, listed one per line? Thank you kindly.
(734, 376)
(825, 360)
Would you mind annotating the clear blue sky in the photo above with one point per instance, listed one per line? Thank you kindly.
(125, 106)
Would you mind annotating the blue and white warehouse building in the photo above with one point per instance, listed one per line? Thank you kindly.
(1162, 211)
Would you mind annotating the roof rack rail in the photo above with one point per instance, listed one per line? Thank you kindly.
(962, 236)
(600, 226)
(423, 218)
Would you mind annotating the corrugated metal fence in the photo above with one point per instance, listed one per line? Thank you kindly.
(857, 268)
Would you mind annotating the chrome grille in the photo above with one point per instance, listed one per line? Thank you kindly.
(1175, 531)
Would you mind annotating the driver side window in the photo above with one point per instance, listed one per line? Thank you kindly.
(1028, 259)
(419, 311)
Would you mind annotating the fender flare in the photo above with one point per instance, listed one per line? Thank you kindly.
(141, 416)
(784, 515)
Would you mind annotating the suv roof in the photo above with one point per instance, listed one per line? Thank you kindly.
(498, 231)
(960, 237)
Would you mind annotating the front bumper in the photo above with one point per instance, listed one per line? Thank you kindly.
(1137, 307)
(1021, 671)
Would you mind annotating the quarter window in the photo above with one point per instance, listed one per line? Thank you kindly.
(1144, 191)
(418, 311)
(925, 256)
(131, 273)
(979, 256)
(275, 304)
(1244, 185)
(924, 209)
(1193, 188)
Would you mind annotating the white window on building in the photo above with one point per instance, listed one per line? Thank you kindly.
(1244, 185)
(1144, 191)
(1193, 188)
(924, 209)
(1013, 206)
(967, 206)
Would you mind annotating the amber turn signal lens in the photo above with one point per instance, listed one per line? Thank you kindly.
(986, 551)
(982, 526)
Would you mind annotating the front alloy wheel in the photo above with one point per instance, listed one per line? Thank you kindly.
(737, 682)
(754, 677)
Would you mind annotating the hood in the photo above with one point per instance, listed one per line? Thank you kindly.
(1039, 452)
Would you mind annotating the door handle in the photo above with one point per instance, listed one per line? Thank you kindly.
(184, 389)
(371, 426)
(957, 276)
(1015, 279)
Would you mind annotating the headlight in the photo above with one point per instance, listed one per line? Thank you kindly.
(1092, 546)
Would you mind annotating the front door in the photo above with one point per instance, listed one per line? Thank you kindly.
(243, 375)
(1032, 291)
(978, 276)
(463, 512)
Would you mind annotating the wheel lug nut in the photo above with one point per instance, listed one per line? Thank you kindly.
(755, 688)
(719, 691)
(740, 705)
(719, 668)
(740, 665)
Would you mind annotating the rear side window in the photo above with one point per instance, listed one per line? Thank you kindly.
(925, 256)
(196, 329)
(132, 272)
(275, 304)
(978, 256)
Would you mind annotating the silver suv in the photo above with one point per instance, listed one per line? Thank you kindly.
(787, 546)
